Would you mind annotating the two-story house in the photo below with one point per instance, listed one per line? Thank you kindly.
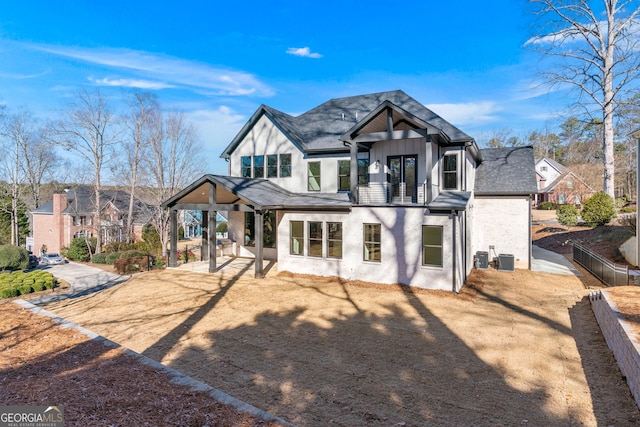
(375, 188)
(71, 214)
(559, 185)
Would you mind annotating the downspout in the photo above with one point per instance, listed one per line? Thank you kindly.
(455, 276)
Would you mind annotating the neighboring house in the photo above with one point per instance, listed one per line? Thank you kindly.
(72, 214)
(559, 185)
(191, 222)
(375, 188)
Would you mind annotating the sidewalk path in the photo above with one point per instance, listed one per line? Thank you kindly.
(83, 280)
(547, 261)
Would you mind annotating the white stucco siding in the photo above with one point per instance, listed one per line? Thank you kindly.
(505, 223)
(405, 147)
(266, 139)
(470, 172)
(401, 247)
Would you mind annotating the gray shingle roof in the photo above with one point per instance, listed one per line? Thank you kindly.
(81, 200)
(506, 171)
(320, 128)
(264, 194)
(451, 200)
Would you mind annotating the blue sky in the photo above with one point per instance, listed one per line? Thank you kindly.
(218, 61)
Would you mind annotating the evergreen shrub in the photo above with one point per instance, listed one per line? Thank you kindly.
(13, 258)
(599, 209)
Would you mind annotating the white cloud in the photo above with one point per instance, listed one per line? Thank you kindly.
(165, 70)
(303, 51)
(136, 83)
(467, 112)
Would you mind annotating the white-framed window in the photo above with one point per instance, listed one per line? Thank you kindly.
(315, 238)
(372, 242)
(313, 182)
(450, 171)
(334, 240)
(296, 238)
(432, 245)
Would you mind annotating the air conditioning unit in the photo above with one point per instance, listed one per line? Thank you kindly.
(482, 260)
(506, 262)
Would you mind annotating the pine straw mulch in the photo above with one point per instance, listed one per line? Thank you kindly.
(42, 363)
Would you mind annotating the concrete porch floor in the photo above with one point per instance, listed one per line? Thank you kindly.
(231, 266)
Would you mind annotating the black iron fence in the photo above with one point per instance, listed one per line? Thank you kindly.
(608, 272)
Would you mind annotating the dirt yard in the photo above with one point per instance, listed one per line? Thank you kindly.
(511, 349)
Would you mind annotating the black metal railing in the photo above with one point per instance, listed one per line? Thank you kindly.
(606, 271)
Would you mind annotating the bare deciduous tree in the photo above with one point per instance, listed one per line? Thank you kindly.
(173, 162)
(17, 134)
(597, 54)
(143, 127)
(39, 160)
(87, 128)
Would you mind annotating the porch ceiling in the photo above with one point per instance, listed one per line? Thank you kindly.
(379, 123)
(200, 195)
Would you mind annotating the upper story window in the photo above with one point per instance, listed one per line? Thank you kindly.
(272, 166)
(344, 174)
(258, 166)
(245, 164)
(313, 177)
(363, 171)
(285, 165)
(450, 171)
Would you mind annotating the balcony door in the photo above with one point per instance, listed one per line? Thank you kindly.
(403, 178)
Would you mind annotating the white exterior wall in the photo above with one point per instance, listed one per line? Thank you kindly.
(401, 247)
(550, 174)
(380, 151)
(265, 139)
(510, 235)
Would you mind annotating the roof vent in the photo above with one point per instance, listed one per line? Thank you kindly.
(342, 116)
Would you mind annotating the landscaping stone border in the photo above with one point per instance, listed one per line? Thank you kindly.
(619, 338)
(176, 377)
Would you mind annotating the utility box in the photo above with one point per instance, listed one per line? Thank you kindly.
(506, 262)
(482, 260)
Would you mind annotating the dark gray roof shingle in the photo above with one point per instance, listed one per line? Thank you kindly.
(320, 128)
(506, 171)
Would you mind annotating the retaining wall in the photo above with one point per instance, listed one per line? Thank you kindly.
(619, 338)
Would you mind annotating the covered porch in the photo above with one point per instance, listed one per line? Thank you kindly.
(213, 193)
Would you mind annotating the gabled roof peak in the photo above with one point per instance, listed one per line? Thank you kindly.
(320, 128)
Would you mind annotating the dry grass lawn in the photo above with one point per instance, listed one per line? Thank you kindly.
(512, 349)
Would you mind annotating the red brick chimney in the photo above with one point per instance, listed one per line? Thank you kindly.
(59, 205)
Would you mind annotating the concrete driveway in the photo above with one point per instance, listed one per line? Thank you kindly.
(83, 280)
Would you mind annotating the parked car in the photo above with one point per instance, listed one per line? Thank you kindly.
(33, 261)
(51, 259)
